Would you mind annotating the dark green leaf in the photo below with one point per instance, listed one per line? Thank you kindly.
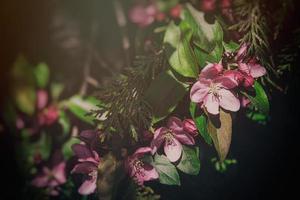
(164, 93)
(205, 35)
(201, 123)
(64, 121)
(180, 53)
(260, 100)
(167, 171)
(189, 162)
(41, 73)
(231, 46)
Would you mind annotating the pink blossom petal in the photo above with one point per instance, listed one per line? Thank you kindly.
(211, 103)
(158, 139)
(42, 99)
(175, 124)
(84, 168)
(211, 71)
(185, 138)
(234, 75)
(243, 67)
(242, 52)
(226, 82)
(149, 173)
(141, 151)
(82, 151)
(256, 70)
(40, 181)
(88, 136)
(198, 92)
(59, 173)
(228, 101)
(173, 149)
(88, 187)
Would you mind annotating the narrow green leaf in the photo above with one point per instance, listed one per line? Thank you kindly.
(64, 121)
(167, 171)
(189, 162)
(260, 100)
(231, 46)
(201, 123)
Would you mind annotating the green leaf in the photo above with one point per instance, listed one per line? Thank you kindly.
(231, 46)
(189, 162)
(216, 55)
(80, 107)
(25, 98)
(41, 72)
(167, 171)
(221, 133)
(180, 54)
(64, 121)
(260, 100)
(56, 90)
(201, 123)
(205, 35)
(164, 93)
(166, 5)
(67, 150)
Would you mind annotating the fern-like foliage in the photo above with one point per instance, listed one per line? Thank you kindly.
(123, 105)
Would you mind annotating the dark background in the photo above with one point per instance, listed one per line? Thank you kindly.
(267, 155)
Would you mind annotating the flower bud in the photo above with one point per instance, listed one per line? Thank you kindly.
(208, 5)
(190, 127)
(175, 11)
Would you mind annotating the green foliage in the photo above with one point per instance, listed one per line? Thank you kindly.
(231, 47)
(55, 90)
(165, 5)
(66, 148)
(180, 53)
(260, 100)
(223, 166)
(80, 107)
(189, 162)
(41, 73)
(164, 93)
(167, 171)
(201, 123)
(64, 121)
(205, 35)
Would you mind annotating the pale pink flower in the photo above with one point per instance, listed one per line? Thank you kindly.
(171, 137)
(42, 99)
(143, 15)
(89, 161)
(140, 170)
(51, 178)
(212, 90)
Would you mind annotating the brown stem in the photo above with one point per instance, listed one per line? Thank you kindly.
(110, 173)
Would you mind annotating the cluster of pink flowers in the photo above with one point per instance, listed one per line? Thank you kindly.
(216, 86)
(89, 161)
(51, 178)
(144, 15)
(171, 137)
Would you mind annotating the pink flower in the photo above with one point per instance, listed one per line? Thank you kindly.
(140, 170)
(213, 90)
(143, 15)
(48, 116)
(42, 99)
(190, 127)
(51, 178)
(89, 161)
(147, 136)
(208, 5)
(172, 136)
(176, 11)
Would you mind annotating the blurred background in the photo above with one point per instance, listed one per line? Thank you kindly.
(64, 33)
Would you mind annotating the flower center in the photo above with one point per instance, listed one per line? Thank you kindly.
(169, 138)
(93, 174)
(214, 89)
(138, 167)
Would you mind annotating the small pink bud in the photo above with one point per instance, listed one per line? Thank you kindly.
(190, 127)
(176, 11)
(248, 81)
(42, 99)
(208, 5)
(226, 3)
(48, 116)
